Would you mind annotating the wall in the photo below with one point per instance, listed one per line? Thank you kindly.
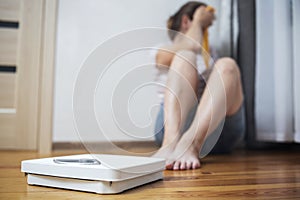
(277, 71)
(82, 26)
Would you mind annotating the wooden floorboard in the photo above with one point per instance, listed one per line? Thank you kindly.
(241, 175)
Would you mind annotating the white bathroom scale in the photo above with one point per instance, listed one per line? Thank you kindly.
(98, 173)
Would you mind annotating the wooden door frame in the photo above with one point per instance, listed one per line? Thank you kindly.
(46, 90)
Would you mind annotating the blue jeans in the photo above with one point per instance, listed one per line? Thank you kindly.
(222, 140)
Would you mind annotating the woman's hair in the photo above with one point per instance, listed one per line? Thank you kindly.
(174, 22)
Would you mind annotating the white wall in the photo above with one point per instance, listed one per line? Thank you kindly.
(82, 26)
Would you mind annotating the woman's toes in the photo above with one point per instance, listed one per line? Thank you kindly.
(188, 165)
(170, 164)
(183, 166)
(176, 165)
(196, 164)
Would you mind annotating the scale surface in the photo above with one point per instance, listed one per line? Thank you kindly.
(113, 173)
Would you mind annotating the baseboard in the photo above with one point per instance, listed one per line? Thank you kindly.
(108, 147)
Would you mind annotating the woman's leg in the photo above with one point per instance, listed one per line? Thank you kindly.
(180, 96)
(222, 97)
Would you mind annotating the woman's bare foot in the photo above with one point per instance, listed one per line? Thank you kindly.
(165, 150)
(185, 155)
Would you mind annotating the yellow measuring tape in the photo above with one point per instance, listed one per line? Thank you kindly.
(205, 43)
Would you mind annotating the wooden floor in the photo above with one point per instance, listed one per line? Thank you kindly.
(241, 175)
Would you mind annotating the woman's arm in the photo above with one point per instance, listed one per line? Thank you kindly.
(191, 40)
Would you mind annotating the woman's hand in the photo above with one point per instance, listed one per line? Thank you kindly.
(203, 17)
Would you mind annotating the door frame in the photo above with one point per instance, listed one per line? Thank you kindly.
(46, 82)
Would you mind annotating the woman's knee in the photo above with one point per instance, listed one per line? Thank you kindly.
(227, 67)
